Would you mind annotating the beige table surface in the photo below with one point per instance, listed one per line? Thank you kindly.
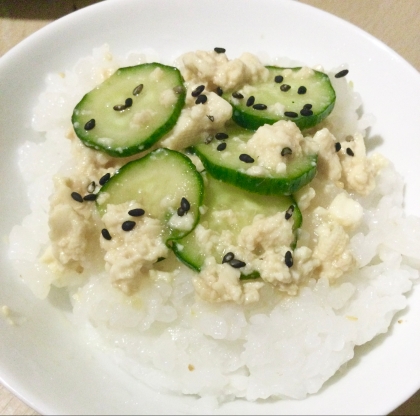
(395, 22)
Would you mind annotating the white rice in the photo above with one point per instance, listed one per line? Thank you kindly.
(282, 347)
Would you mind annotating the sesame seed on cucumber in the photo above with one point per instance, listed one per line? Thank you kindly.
(302, 95)
(131, 110)
(174, 198)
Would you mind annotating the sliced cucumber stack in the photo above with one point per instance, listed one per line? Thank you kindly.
(225, 160)
(221, 196)
(131, 110)
(302, 95)
(167, 186)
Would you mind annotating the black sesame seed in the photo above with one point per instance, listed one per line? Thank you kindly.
(185, 205)
(286, 151)
(138, 89)
(91, 187)
(128, 225)
(302, 90)
(198, 91)
(221, 147)
(128, 102)
(288, 259)
(259, 107)
(285, 87)
(104, 179)
(306, 112)
(228, 257)
(221, 136)
(289, 212)
(90, 124)
(307, 106)
(349, 152)
(119, 107)
(77, 197)
(290, 114)
(90, 197)
(201, 99)
(246, 158)
(237, 95)
(136, 212)
(219, 91)
(278, 79)
(237, 264)
(211, 118)
(342, 73)
(337, 146)
(105, 234)
(250, 101)
(220, 50)
(180, 212)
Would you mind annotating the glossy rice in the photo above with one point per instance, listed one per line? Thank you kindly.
(281, 347)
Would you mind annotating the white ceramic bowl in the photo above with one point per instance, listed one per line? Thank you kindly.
(45, 360)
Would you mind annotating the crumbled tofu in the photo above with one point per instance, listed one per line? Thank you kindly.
(220, 282)
(304, 196)
(267, 234)
(345, 210)
(303, 73)
(73, 228)
(142, 118)
(183, 223)
(359, 171)
(332, 249)
(267, 143)
(262, 245)
(330, 211)
(168, 97)
(218, 71)
(323, 144)
(194, 125)
(129, 255)
(156, 75)
(90, 162)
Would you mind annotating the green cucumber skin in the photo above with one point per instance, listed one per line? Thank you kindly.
(253, 122)
(91, 141)
(115, 182)
(194, 263)
(231, 172)
(253, 119)
(186, 248)
(257, 184)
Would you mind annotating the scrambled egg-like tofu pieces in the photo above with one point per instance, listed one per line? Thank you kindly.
(218, 71)
(130, 255)
(267, 145)
(265, 246)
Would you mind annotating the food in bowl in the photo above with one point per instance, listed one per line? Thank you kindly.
(236, 243)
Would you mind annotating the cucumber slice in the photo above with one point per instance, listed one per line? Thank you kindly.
(221, 196)
(306, 99)
(227, 166)
(131, 110)
(158, 181)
